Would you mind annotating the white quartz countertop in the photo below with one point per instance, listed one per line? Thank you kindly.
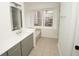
(8, 42)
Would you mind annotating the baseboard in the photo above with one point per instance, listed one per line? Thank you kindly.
(59, 49)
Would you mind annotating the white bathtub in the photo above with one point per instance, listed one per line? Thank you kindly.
(37, 34)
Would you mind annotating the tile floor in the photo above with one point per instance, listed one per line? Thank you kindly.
(45, 47)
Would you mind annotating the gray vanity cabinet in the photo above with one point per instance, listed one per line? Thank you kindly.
(15, 51)
(21, 49)
(4, 54)
(27, 45)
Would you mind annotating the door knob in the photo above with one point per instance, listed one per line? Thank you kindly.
(77, 47)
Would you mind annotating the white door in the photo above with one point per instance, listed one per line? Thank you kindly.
(75, 51)
(67, 26)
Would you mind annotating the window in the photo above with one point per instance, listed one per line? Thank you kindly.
(48, 21)
(43, 18)
(48, 18)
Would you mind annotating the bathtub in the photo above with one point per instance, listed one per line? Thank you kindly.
(37, 34)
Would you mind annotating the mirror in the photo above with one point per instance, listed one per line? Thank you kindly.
(16, 14)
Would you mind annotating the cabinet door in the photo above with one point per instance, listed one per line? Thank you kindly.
(15, 51)
(4, 54)
(27, 45)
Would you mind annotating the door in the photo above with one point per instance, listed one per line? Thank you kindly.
(27, 45)
(67, 27)
(15, 51)
(75, 51)
(4, 54)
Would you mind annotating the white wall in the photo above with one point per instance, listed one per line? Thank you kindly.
(53, 31)
(31, 6)
(5, 22)
(40, 5)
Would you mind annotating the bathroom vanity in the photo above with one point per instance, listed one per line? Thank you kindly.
(18, 46)
(15, 39)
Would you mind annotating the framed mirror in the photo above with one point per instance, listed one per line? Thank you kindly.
(16, 15)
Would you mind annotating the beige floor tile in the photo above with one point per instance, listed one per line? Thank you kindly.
(45, 47)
